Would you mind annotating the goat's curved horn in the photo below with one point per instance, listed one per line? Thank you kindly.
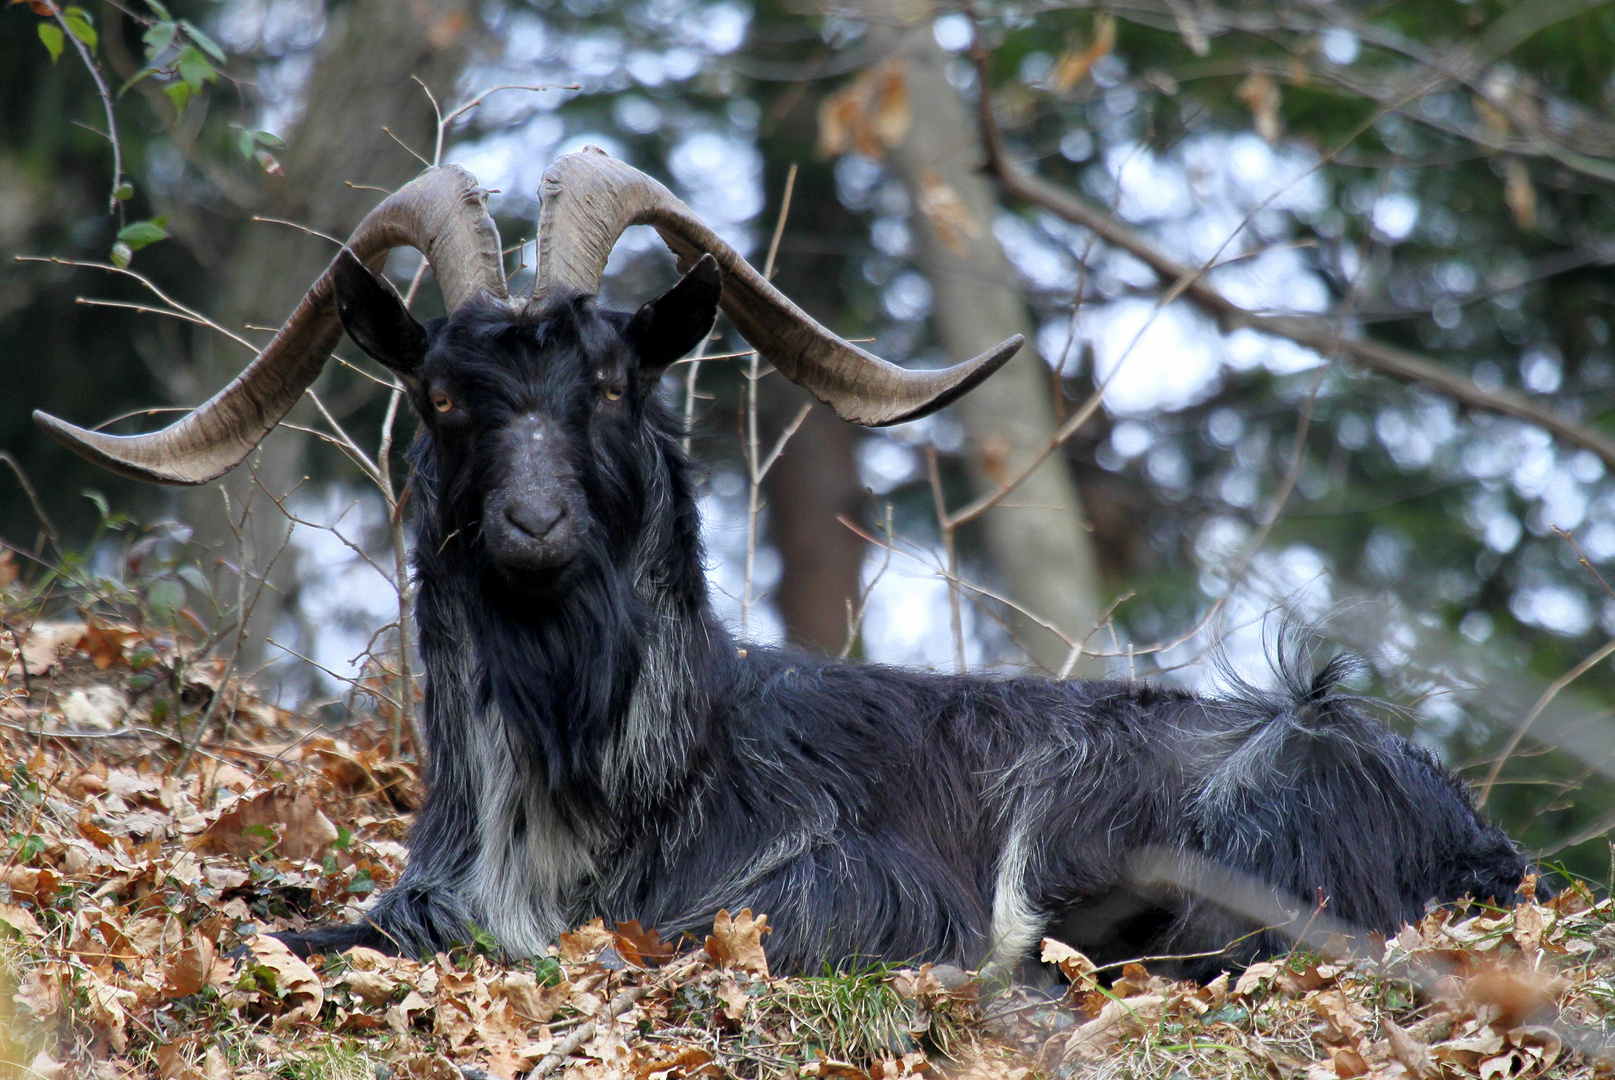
(590, 198)
(440, 212)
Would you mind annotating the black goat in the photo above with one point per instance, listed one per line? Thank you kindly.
(600, 746)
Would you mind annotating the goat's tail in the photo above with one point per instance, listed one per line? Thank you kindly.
(1319, 818)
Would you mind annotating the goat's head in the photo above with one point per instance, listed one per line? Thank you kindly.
(588, 200)
(544, 446)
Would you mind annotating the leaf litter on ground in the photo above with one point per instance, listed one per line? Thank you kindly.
(133, 900)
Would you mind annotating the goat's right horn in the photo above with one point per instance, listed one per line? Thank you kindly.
(590, 198)
(441, 212)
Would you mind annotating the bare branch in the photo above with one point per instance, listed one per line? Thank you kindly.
(1312, 332)
(111, 133)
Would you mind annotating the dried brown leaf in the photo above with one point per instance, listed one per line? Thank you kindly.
(641, 947)
(531, 1002)
(107, 1008)
(1348, 1062)
(1413, 1054)
(1519, 193)
(1075, 966)
(584, 943)
(105, 643)
(296, 994)
(42, 645)
(842, 1070)
(1345, 1020)
(1079, 60)
(425, 1067)
(950, 218)
(290, 822)
(194, 965)
(687, 1062)
(1254, 976)
(1260, 94)
(869, 116)
(1116, 1020)
(22, 921)
(738, 942)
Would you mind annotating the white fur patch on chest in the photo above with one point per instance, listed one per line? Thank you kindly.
(529, 863)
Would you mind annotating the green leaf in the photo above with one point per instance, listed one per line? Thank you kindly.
(194, 68)
(159, 10)
(136, 77)
(344, 838)
(51, 35)
(209, 46)
(125, 191)
(158, 37)
(262, 832)
(165, 599)
(100, 502)
(180, 94)
(269, 139)
(245, 144)
(121, 254)
(141, 234)
(79, 23)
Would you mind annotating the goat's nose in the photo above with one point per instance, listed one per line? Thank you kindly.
(536, 521)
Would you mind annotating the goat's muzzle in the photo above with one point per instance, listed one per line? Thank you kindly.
(532, 520)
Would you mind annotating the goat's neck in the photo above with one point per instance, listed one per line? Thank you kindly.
(601, 690)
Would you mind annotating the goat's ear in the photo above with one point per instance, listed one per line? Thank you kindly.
(675, 322)
(376, 320)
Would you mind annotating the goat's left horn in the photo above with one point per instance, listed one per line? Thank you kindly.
(440, 212)
(589, 198)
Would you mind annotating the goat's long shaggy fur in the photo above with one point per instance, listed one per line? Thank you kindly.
(599, 745)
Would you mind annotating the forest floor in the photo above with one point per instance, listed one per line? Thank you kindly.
(139, 870)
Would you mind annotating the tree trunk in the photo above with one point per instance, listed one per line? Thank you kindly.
(1036, 537)
(813, 485)
(815, 481)
(360, 84)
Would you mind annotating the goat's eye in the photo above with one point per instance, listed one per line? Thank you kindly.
(442, 402)
(613, 391)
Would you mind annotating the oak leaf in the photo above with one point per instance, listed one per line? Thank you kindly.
(738, 942)
(295, 989)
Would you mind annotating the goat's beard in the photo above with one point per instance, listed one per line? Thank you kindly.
(523, 588)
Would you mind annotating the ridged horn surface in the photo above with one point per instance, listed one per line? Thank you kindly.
(589, 198)
(441, 213)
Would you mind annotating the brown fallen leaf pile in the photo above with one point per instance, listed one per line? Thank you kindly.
(132, 895)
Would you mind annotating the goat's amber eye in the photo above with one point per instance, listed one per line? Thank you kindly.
(614, 391)
(442, 402)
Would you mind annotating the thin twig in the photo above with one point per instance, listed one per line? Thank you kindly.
(114, 204)
(299, 228)
(407, 148)
(189, 313)
(563, 1050)
(33, 499)
(946, 526)
(754, 470)
(1553, 690)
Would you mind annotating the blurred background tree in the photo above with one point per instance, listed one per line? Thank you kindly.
(1338, 274)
